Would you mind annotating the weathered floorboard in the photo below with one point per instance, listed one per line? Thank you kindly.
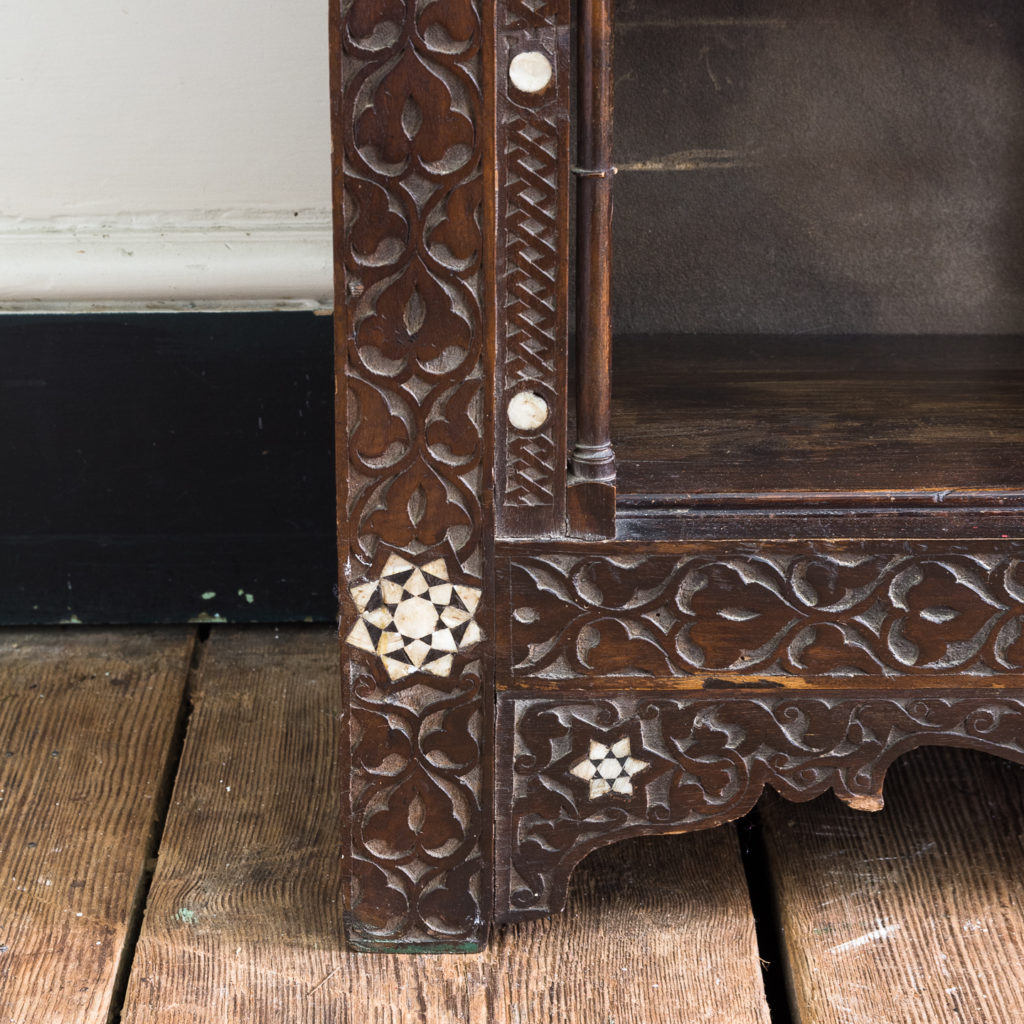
(244, 921)
(913, 915)
(656, 930)
(87, 722)
(242, 918)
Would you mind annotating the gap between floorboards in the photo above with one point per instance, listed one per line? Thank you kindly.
(767, 921)
(163, 803)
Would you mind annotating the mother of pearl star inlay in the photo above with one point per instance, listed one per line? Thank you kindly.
(413, 618)
(609, 769)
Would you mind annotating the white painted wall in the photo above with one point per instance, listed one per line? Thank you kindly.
(164, 154)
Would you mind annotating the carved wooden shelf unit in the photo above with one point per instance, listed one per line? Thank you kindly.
(802, 560)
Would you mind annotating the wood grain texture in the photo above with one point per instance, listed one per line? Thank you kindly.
(87, 721)
(244, 908)
(657, 930)
(713, 414)
(244, 921)
(914, 915)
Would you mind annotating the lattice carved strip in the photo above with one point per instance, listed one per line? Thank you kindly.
(532, 334)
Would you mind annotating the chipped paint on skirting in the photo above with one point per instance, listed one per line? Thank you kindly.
(194, 260)
(207, 617)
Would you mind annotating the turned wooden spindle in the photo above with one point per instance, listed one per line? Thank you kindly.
(592, 456)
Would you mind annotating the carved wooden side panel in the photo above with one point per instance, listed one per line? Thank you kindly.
(412, 254)
(584, 771)
(533, 253)
(778, 612)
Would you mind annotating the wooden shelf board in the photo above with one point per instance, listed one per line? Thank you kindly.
(821, 420)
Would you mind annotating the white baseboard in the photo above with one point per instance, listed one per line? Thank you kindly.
(169, 261)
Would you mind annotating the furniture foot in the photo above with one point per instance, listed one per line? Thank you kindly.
(359, 941)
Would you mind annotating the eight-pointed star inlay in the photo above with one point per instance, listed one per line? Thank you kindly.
(413, 618)
(609, 769)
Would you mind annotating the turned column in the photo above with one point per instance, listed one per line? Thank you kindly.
(591, 494)
(592, 456)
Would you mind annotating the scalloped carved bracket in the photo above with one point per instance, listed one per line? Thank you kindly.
(681, 764)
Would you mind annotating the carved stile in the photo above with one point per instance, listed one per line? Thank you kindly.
(413, 251)
(532, 144)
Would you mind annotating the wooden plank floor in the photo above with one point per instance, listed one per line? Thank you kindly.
(87, 722)
(913, 915)
(243, 922)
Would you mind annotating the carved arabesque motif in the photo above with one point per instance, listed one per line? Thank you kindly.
(836, 612)
(413, 251)
(702, 762)
(412, 244)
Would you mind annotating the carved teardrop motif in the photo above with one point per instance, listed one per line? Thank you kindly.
(876, 614)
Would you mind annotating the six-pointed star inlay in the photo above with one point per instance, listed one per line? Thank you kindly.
(609, 769)
(413, 618)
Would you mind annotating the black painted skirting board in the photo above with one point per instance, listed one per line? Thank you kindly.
(166, 467)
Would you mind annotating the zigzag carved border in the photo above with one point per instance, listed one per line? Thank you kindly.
(532, 335)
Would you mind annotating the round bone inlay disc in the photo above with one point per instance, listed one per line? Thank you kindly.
(527, 411)
(416, 617)
(530, 71)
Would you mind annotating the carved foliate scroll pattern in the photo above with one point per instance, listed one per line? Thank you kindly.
(694, 763)
(532, 334)
(412, 243)
(413, 251)
(831, 613)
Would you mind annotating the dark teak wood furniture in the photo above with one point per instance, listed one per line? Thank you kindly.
(802, 559)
